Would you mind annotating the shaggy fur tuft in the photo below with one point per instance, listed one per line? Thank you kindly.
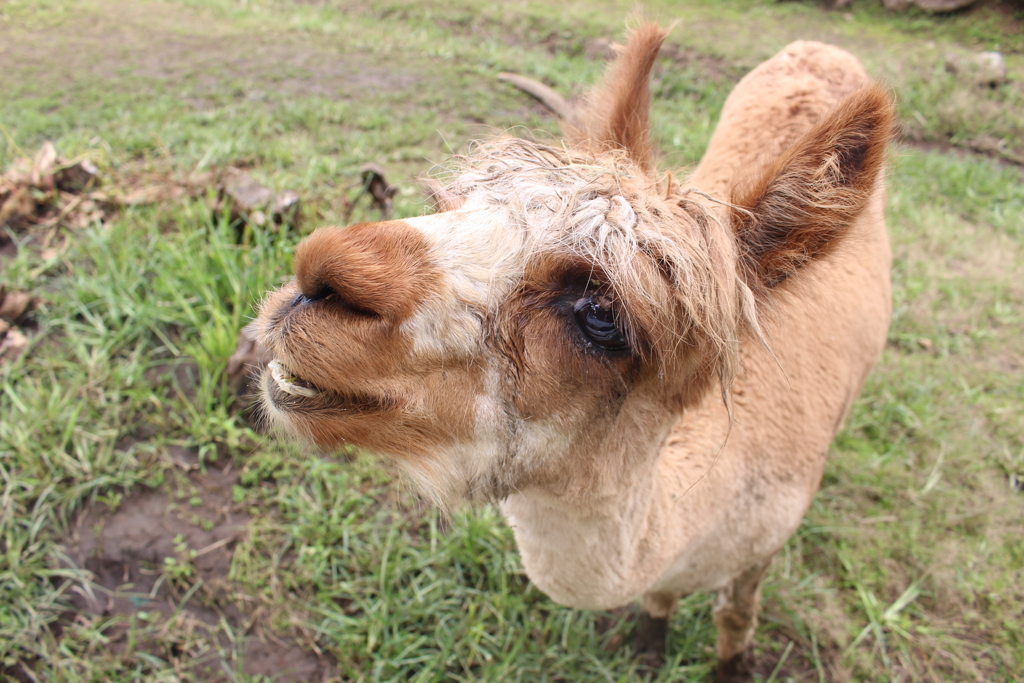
(606, 212)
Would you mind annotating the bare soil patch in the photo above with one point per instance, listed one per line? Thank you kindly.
(163, 557)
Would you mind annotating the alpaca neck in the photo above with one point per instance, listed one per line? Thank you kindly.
(604, 552)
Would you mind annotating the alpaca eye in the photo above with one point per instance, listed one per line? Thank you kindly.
(598, 325)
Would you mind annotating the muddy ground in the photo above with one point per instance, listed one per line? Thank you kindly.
(132, 549)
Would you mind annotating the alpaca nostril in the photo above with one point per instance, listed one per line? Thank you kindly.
(324, 292)
(317, 292)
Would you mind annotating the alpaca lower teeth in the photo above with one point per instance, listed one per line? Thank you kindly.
(288, 381)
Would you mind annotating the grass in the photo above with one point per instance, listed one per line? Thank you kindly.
(908, 566)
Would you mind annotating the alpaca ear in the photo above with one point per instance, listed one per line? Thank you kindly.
(616, 113)
(799, 207)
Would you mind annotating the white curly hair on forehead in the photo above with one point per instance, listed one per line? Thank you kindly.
(605, 210)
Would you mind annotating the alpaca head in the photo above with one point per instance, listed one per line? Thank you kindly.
(549, 322)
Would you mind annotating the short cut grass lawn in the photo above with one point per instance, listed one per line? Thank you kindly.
(120, 440)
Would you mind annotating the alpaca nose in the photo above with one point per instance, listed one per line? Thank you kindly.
(375, 269)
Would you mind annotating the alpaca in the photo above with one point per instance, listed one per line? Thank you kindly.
(645, 374)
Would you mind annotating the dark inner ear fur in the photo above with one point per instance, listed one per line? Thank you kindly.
(801, 204)
(616, 114)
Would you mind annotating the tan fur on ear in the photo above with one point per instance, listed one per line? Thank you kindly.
(801, 204)
(616, 115)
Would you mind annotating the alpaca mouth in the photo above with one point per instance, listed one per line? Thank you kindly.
(289, 392)
(290, 383)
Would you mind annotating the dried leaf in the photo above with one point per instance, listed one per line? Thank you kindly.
(12, 345)
(18, 173)
(197, 184)
(287, 207)
(78, 177)
(15, 305)
(43, 165)
(18, 210)
(246, 193)
(149, 194)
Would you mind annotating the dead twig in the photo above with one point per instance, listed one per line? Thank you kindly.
(378, 188)
(552, 101)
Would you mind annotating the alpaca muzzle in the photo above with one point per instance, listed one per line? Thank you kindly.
(370, 269)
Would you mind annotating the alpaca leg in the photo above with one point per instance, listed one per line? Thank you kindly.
(735, 615)
(649, 642)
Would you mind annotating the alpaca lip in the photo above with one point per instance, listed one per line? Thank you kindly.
(288, 393)
(288, 382)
